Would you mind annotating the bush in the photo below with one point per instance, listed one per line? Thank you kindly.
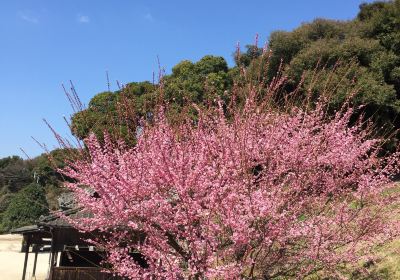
(25, 207)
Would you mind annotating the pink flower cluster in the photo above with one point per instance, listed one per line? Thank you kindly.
(256, 195)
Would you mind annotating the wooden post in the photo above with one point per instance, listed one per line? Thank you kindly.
(26, 257)
(52, 250)
(34, 263)
(56, 259)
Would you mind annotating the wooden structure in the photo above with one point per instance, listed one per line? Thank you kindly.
(81, 273)
(71, 258)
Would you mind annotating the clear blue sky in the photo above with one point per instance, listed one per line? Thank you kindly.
(46, 42)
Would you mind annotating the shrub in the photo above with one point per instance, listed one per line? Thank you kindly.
(245, 192)
(25, 207)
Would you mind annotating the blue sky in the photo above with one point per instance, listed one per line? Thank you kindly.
(45, 43)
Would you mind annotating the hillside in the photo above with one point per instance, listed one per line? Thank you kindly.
(28, 188)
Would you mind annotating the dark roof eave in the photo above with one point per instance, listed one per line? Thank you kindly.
(53, 221)
(26, 229)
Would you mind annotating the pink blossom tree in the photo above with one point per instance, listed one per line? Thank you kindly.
(256, 195)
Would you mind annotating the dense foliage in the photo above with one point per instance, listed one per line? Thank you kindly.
(22, 184)
(119, 111)
(25, 207)
(370, 43)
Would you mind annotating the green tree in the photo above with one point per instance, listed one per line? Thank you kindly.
(198, 82)
(361, 54)
(111, 111)
(25, 207)
(118, 112)
(15, 173)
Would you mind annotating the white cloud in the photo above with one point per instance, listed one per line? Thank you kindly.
(83, 19)
(28, 16)
(149, 17)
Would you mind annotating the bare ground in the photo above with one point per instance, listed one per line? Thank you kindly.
(12, 260)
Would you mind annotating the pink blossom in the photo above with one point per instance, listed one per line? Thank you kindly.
(260, 193)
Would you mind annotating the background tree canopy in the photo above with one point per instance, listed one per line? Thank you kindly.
(25, 207)
(29, 188)
(189, 82)
(365, 53)
(370, 44)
